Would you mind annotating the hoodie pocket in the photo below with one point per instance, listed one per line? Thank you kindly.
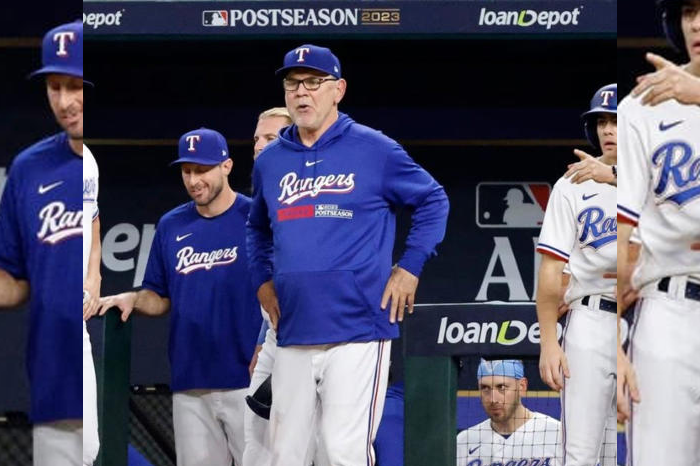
(321, 307)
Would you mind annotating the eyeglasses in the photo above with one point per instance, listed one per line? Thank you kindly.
(311, 84)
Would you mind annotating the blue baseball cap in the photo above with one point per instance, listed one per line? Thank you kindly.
(503, 367)
(312, 57)
(202, 146)
(62, 51)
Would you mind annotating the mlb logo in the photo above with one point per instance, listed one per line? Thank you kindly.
(212, 18)
(511, 205)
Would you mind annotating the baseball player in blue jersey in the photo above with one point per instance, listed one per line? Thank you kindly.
(324, 197)
(41, 229)
(659, 194)
(198, 270)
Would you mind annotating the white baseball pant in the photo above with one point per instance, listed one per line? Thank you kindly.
(664, 348)
(208, 427)
(588, 417)
(58, 443)
(349, 381)
(91, 440)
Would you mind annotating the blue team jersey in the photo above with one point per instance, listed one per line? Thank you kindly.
(41, 232)
(326, 217)
(201, 265)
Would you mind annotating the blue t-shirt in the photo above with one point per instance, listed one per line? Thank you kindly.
(201, 265)
(41, 231)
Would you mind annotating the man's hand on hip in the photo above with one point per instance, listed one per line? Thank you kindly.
(401, 289)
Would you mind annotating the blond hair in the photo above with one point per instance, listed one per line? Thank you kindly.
(276, 112)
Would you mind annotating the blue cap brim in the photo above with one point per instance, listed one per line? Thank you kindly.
(58, 70)
(598, 110)
(287, 68)
(210, 163)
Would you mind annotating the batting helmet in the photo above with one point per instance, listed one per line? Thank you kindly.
(62, 51)
(604, 101)
(671, 20)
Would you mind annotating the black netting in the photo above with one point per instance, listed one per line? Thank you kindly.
(151, 423)
(15, 440)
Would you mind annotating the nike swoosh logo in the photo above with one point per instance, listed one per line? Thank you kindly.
(180, 238)
(585, 198)
(311, 164)
(663, 127)
(45, 189)
(474, 449)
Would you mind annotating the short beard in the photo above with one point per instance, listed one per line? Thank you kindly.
(75, 135)
(216, 191)
(509, 412)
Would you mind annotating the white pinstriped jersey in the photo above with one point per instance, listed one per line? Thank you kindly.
(90, 210)
(580, 228)
(535, 443)
(659, 185)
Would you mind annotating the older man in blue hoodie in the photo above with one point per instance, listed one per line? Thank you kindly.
(324, 202)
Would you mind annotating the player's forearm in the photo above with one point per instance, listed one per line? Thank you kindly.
(548, 295)
(13, 292)
(150, 303)
(624, 233)
(93, 270)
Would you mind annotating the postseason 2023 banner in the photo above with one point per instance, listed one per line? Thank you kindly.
(594, 17)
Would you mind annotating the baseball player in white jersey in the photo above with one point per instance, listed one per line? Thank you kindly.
(91, 295)
(512, 434)
(257, 450)
(580, 228)
(660, 194)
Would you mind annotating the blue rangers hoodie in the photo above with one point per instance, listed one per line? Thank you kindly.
(326, 217)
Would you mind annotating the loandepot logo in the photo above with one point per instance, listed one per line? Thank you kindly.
(507, 333)
(526, 18)
(96, 20)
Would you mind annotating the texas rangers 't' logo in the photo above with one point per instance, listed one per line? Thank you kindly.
(605, 95)
(300, 52)
(677, 169)
(192, 138)
(62, 38)
(601, 229)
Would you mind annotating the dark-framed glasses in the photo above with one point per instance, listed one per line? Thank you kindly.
(311, 84)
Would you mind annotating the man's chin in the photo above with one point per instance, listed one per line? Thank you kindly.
(496, 416)
(201, 202)
(610, 152)
(74, 134)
